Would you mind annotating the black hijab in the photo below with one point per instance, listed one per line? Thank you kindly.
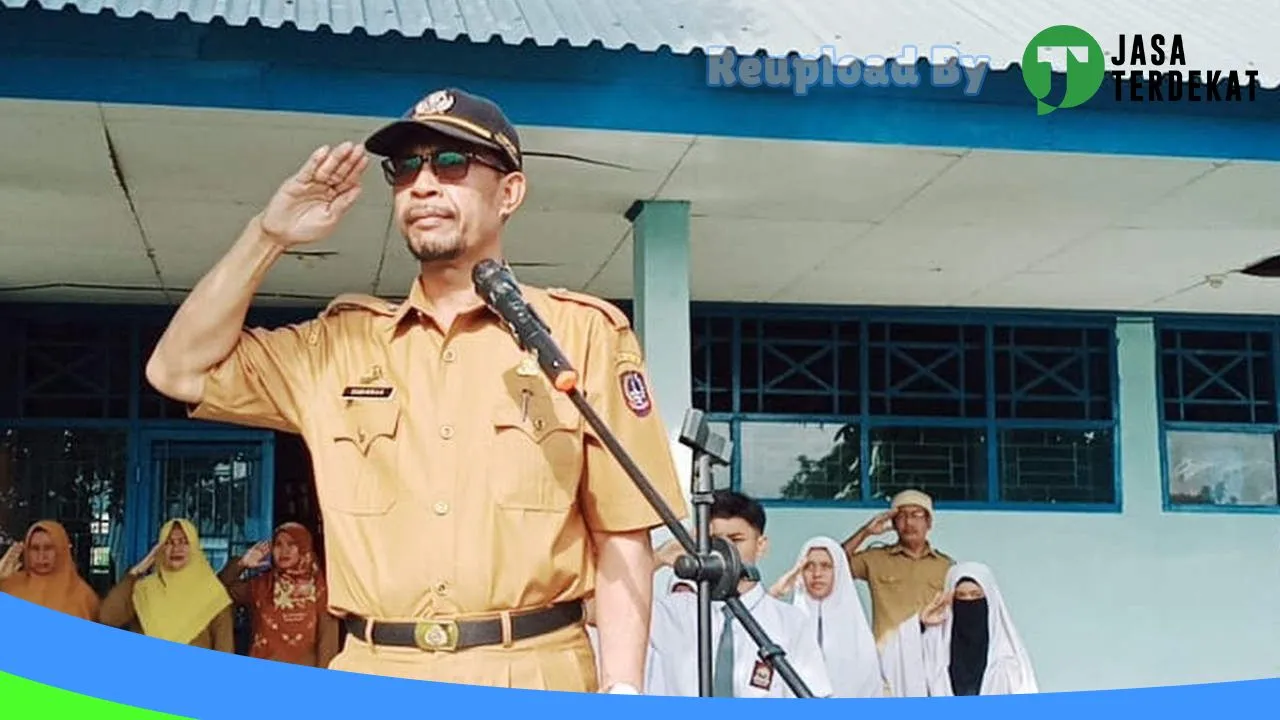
(970, 635)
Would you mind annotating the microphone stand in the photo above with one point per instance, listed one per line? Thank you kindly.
(714, 563)
(708, 448)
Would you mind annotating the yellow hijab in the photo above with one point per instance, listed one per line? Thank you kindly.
(178, 605)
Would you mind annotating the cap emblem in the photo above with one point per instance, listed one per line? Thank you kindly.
(436, 103)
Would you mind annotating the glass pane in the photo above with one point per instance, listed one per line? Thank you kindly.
(1050, 466)
(948, 463)
(1221, 468)
(215, 485)
(927, 370)
(77, 477)
(1218, 376)
(76, 370)
(800, 461)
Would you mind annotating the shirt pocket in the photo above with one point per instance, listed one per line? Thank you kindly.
(535, 456)
(361, 471)
(888, 581)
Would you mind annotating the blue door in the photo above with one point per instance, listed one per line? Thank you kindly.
(220, 480)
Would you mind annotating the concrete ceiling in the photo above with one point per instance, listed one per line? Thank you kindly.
(773, 221)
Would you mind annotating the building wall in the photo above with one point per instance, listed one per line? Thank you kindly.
(1144, 597)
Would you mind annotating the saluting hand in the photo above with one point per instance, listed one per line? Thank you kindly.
(308, 206)
(882, 523)
(12, 561)
(788, 581)
(256, 556)
(668, 553)
(146, 563)
(936, 611)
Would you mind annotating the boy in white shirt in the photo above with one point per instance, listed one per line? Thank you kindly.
(674, 630)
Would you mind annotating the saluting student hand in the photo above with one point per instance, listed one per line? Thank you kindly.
(256, 556)
(669, 552)
(12, 560)
(936, 611)
(308, 206)
(146, 563)
(788, 581)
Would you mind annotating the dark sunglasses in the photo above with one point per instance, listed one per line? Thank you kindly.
(446, 165)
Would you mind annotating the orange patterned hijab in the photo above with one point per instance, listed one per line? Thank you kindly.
(287, 604)
(63, 589)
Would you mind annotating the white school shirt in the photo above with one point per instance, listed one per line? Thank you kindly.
(674, 647)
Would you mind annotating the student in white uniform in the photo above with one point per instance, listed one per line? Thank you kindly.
(738, 670)
(963, 643)
(821, 585)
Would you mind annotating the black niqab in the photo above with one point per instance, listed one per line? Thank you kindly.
(970, 635)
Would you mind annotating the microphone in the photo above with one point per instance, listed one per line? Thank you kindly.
(494, 283)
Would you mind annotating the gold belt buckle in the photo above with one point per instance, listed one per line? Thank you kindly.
(436, 635)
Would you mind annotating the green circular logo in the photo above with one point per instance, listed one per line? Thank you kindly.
(1086, 66)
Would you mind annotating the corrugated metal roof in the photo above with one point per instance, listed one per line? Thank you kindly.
(1239, 35)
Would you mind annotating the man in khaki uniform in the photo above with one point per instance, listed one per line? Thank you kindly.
(468, 508)
(903, 577)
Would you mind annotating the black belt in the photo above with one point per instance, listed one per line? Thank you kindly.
(453, 635)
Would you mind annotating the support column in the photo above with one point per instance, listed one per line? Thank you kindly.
(1139, 440)
(661, 310)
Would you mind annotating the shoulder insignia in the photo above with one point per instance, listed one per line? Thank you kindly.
(617, 318)
(359, 301)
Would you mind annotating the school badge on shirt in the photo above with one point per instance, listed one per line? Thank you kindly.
(762, 675)
(636, 392)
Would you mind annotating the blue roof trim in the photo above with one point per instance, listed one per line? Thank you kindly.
(67, 55)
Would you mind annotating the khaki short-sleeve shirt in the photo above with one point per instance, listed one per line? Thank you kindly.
(901, 585)
(453, 479)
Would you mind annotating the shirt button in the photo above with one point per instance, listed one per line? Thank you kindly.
(442, 508)
(450, 355)
(446, 431)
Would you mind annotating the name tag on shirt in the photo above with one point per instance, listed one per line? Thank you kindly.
(762, 675)
(367, 392)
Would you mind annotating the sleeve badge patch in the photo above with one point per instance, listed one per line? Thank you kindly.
(636, 392)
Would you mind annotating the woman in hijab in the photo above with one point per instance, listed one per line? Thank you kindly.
(41, 570)
(974, 649)
(182, 601)
(823, 588)
(288, 604)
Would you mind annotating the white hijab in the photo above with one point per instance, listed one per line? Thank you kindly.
(848, 646)
(1008, 669)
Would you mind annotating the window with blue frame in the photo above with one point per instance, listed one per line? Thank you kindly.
(68, 380)
(853, 409)
(1219, 416)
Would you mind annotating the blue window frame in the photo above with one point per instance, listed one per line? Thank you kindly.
(1219, 416)
(848, 407)
(74, 413)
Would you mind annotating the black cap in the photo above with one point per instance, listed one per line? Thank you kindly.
(455, 114)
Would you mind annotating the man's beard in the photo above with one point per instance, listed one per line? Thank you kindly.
(437, 251)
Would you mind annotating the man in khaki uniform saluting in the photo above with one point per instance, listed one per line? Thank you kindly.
(905, 576)
(468, 508)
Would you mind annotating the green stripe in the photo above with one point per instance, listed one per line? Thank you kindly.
(25, 699)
